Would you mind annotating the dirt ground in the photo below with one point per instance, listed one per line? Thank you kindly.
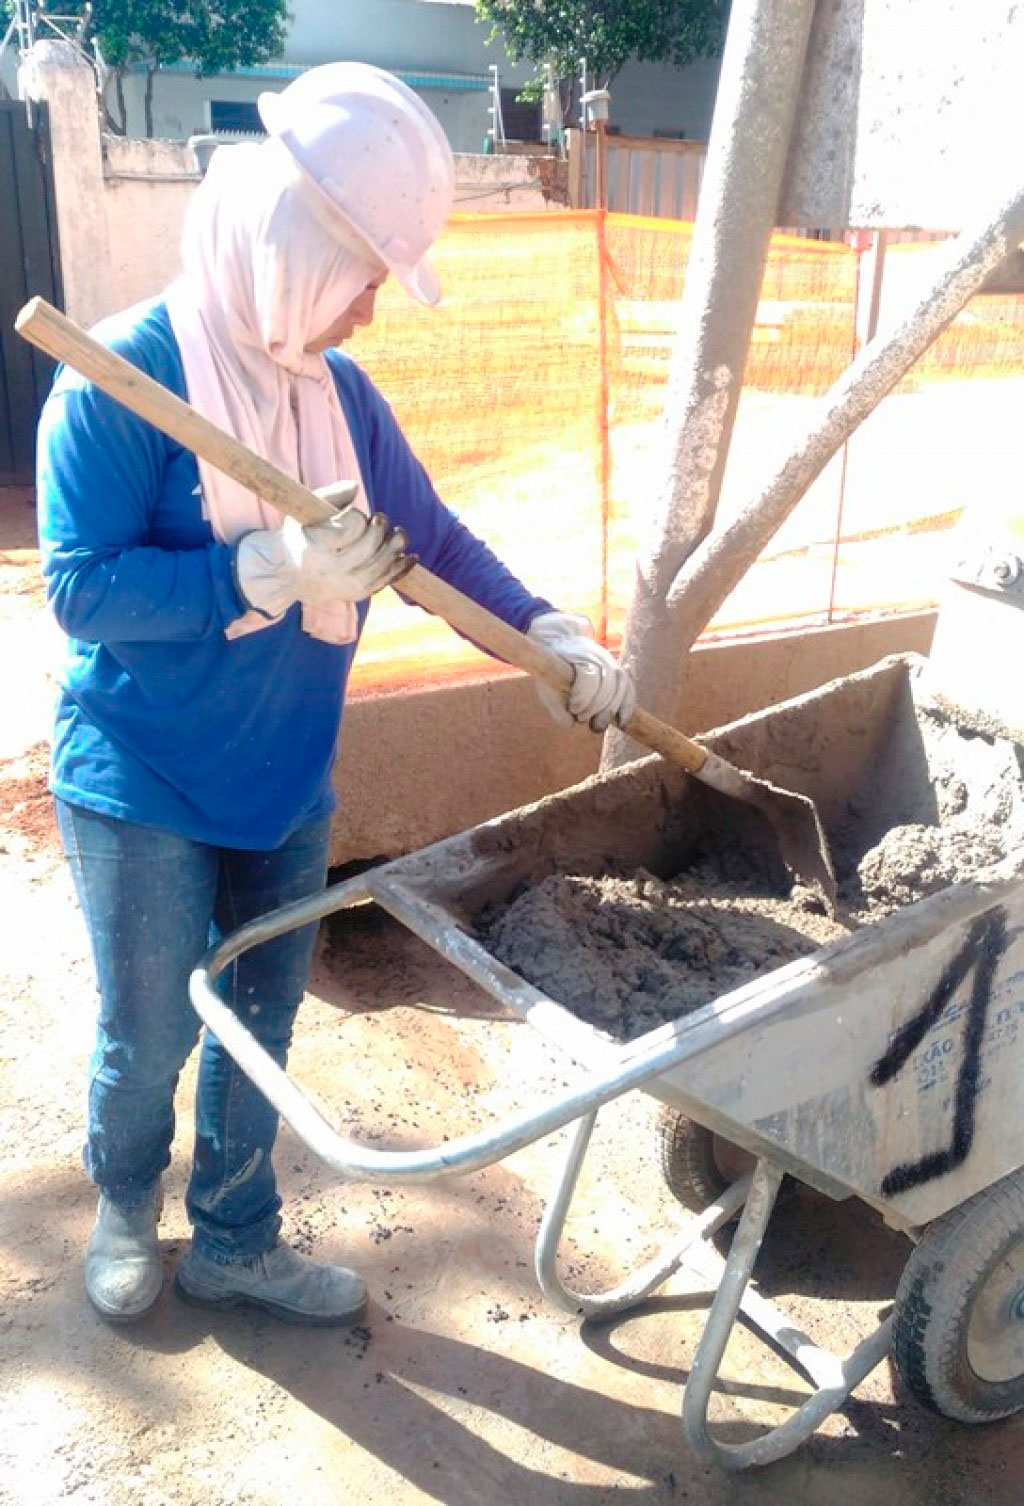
(463, 1386)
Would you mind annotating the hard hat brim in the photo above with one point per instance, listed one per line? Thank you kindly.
(419, 280)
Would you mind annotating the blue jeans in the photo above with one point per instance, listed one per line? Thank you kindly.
(152, 903)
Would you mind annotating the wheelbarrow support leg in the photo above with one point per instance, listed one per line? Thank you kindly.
(846, 1373)
(648, 1277)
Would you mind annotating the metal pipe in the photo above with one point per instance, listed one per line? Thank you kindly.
(12, 27)
(822, 1365)
(454, 1157)
(26, 23)
(725, 1307)
(639, 1283)
(848, 1372)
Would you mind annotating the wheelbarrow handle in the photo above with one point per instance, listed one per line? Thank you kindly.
(616, 1070)
(60, 337)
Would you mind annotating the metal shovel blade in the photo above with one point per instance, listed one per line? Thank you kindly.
(793, 817)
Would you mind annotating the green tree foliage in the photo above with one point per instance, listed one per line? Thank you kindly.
(608, 33)
(215, 35)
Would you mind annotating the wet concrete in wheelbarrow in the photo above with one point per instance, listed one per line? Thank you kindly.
(628, 951)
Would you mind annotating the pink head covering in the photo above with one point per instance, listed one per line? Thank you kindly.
(281, 237)
(262, 277)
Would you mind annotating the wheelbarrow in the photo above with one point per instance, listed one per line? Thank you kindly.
(886, 1066)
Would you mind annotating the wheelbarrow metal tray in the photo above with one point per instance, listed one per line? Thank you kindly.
(886, 1065)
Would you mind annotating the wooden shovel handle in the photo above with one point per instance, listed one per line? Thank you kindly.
(516, 648)
(51, 331)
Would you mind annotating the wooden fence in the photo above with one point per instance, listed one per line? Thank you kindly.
(641, 174)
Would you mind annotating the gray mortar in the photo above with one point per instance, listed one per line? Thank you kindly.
(627, 951)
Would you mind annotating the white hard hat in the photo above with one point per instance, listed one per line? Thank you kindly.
(377, 157)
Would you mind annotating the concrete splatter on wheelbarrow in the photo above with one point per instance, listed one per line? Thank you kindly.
(629, 950)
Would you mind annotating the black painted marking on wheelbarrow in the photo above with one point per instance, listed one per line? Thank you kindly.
(983, 947)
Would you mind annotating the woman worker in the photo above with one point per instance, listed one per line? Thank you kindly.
(209, 645)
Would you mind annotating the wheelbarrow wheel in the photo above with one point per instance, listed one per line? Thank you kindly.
(697, 1164)
(958, 1322)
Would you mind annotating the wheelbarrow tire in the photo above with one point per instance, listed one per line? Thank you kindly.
(958, 1321)
(694, 1160)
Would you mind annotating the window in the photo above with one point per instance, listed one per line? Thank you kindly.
(235, 115)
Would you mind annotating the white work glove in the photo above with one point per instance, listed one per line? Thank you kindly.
(346, 558)
(601, 692)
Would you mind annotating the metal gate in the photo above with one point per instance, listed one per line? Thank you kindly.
(29, 264)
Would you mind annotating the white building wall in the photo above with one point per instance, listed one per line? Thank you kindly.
(8, 71)
(181, 103)
(413, 36)
(147, 187)
(404, 36)
(651, 97)
(396, 34)
(181, 106)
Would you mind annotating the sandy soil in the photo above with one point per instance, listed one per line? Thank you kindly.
(464, 1385)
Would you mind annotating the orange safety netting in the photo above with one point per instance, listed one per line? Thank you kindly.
(534, 396)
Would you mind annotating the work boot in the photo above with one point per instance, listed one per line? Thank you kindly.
(282, 1282)
(123, 1268)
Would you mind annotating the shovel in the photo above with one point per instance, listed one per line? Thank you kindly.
(793, 817)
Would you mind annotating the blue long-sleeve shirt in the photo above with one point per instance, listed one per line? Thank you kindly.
(162, 720)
